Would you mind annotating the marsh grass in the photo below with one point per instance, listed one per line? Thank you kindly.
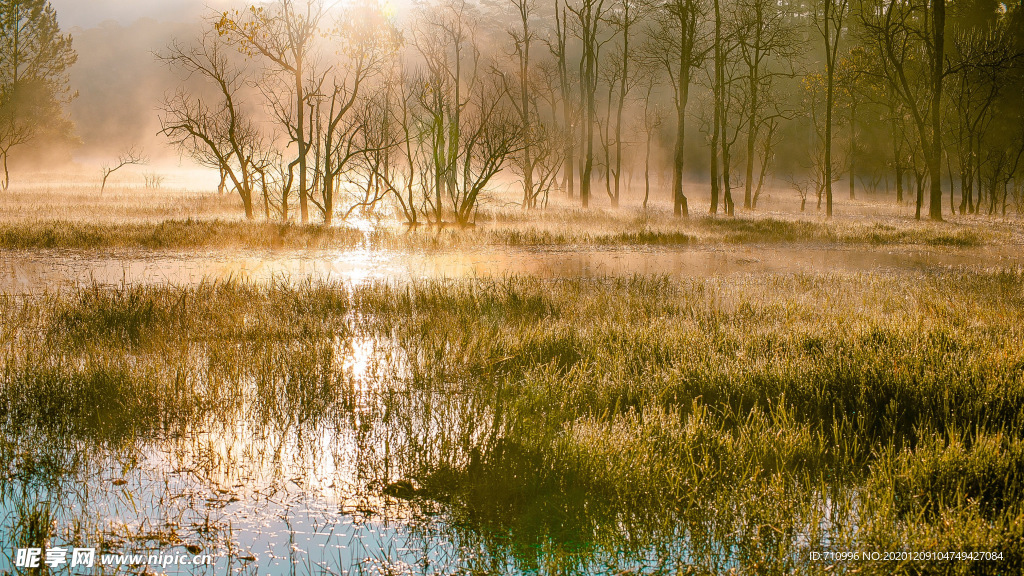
(186, 234)
(713, 423)
(174, 235)
(69, 202)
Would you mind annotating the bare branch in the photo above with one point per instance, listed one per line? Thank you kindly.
(130, 156)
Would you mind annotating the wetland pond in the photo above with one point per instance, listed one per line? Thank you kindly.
(349, 426)
(298, 465)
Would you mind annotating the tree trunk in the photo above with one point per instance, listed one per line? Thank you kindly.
(919, 181)
(589, 81)
(328, 201)
(266, 196)
(752, 126)
(853, 144)
(300, 132)
(730, 206)
(952, 185)
(935, 162)
(715, 178)
(679, 205)
(965, 183)
(623, 86)
(977, 175)
(899, 181)
(830, 82)
(748, 196)
(717, 128)
(607, 145)
(647, 169)
(524, 69)
(568, 174)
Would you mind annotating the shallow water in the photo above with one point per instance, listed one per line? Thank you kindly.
(27, 272)
(263, 490)
(283, 494)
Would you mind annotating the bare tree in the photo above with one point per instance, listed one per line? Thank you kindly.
(548, 133)
(625, 18)
(363, 45)
(128, 157)
(468, 122)
(767, 46)
(558, 47)
(677, 45)
(285, 35)
(769, 138)
(523, 36)
(908, 39)
(403, 170)
(981, 65)
(648, 127)
(153, 180)
(216, 132)
(589, 14)
(828, 20)
(731, 101)
(802, 184)
(372, 170)
(718, 96)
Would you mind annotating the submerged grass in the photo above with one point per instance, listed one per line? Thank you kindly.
(721, 423)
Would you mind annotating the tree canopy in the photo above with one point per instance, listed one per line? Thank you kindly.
(34, 61)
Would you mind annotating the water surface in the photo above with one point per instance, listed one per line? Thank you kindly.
(41, 270)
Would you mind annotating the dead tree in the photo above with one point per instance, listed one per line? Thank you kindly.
(589, 14)
(908, 40)
(284, 36)
(216, 131)
(126, 158)
(678, 45)
(828, 19)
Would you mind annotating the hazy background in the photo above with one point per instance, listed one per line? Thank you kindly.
(90, 13)
(118, 81)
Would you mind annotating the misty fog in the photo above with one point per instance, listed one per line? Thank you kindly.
(663, 100)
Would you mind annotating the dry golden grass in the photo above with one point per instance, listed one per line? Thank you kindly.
(118, 204)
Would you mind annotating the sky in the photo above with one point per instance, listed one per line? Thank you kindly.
(89, 13)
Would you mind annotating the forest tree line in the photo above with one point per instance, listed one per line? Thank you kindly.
(319, 111)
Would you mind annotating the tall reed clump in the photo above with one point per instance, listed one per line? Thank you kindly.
(136, 361)
(873, 401)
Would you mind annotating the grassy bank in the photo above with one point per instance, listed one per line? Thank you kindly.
(173, 234)
(568, 228)
(716, 423)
